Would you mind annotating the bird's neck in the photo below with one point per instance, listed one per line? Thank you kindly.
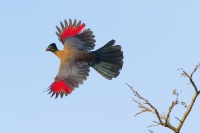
(58, 53)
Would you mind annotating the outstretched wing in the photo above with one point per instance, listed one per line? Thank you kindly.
(69, 77)
(79, 73)
(84, 40)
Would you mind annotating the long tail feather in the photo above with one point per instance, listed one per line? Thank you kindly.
(108, 60)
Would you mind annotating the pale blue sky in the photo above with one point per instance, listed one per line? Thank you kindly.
(157, 38)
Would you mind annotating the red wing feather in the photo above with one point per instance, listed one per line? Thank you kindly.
(59, 87)
(71, 31)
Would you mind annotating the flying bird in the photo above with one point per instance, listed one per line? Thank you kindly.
(76, 58)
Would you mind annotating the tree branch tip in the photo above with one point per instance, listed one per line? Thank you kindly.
(178, 119)
(150, 131)
(138, 113)
(126, 83)
(198, 65)
(129, 85)
(188, 83)
(180, 69)
(153, 126)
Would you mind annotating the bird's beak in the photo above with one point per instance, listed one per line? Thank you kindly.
(47, 49)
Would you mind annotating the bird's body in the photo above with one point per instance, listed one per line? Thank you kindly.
(69, 54)
(76, 58)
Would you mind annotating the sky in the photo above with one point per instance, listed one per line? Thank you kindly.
(157, 38)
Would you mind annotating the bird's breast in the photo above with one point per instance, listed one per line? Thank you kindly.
(70, 54)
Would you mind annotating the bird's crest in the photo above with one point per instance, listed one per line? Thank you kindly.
(67, 30)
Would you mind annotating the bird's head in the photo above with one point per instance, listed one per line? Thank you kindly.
(52, 47)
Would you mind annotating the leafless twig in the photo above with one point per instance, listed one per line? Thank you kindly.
(164, 119)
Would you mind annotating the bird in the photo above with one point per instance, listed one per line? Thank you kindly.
(77, 57)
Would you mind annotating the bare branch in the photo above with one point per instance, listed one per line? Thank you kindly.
(187, 111)
(192, 82)
(157, 124)
(190, 77)
(189, 108)
(153, 110)
(170, 109)
(142, 111)
(195, 69)
(172, 105)
(178, 119)
(146, 108)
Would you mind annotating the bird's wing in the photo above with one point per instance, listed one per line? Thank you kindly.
(71, 32)
(69, 77)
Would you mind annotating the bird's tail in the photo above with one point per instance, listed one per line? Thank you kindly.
(108, 60)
